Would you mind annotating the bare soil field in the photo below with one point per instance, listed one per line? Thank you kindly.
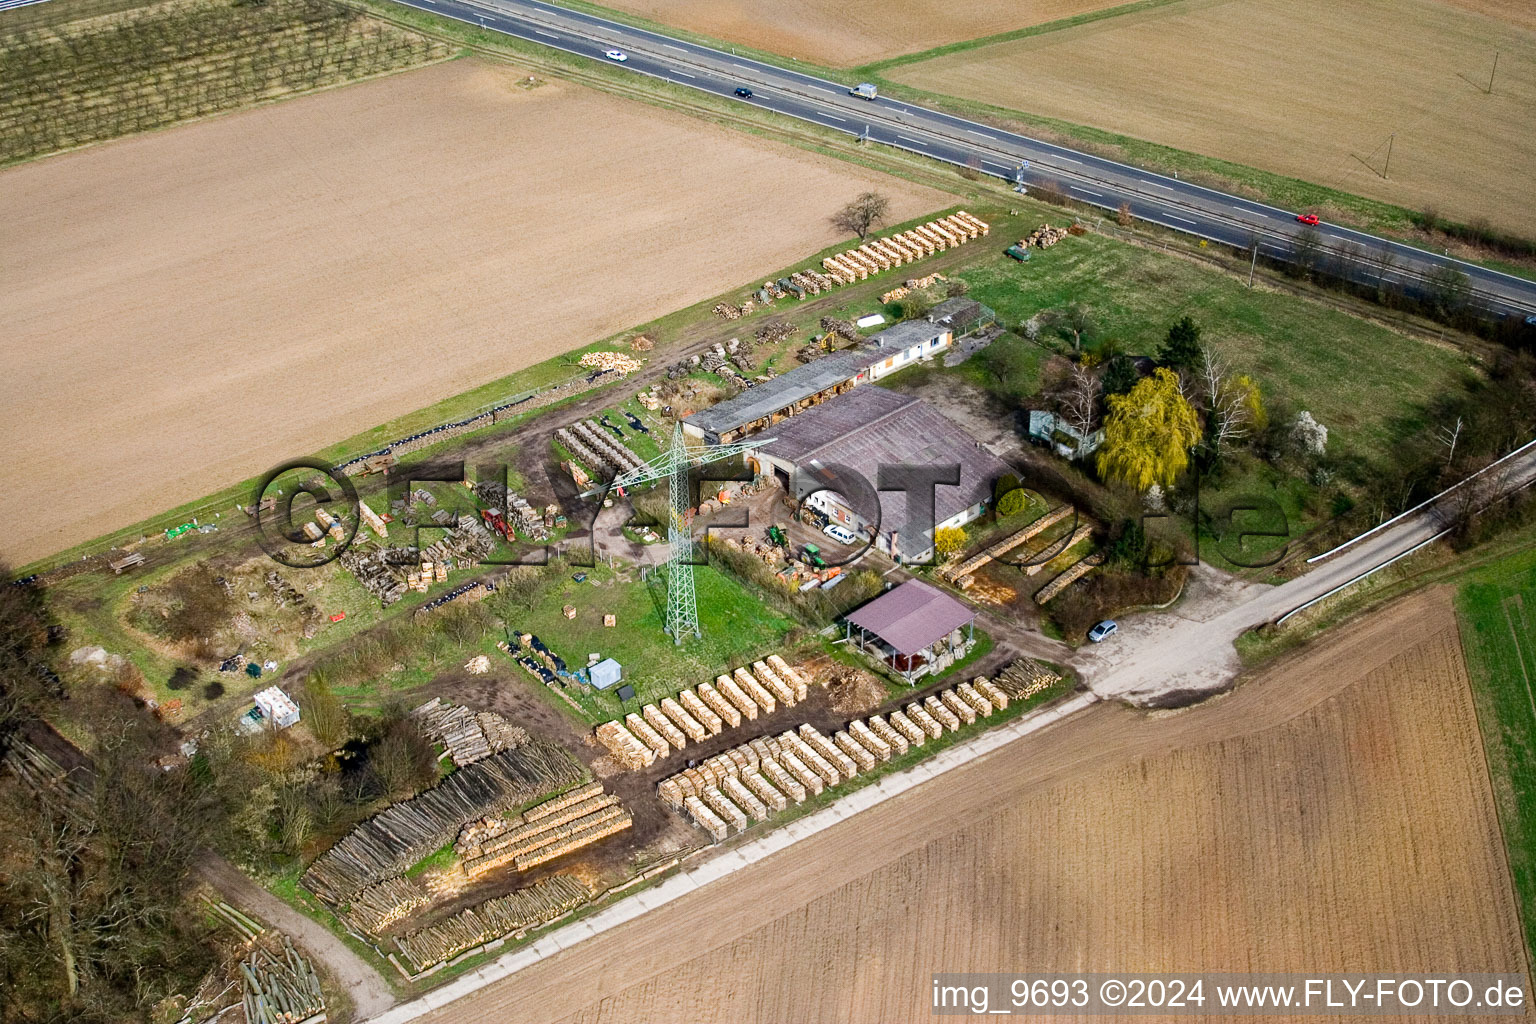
(185, 309)
(855, 32)
(1307, 88)
(1333, 814)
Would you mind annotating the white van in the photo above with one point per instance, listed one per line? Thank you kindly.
(841, 534)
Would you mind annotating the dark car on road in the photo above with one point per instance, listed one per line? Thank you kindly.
(743, 92)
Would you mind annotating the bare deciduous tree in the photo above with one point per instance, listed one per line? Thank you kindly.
(862, 214)
(1080, 402)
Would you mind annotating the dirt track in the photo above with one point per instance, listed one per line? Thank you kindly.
(184, 309)
(1306, 88)
(1333, 814)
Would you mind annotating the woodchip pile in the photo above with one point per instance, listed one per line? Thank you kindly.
(375, 908)
(618, 362)
(879, 254)
(402, 834)
(701, 712)
(552, 829)
(751, 782)
(467, 736)
(281, 987)
(493, 919)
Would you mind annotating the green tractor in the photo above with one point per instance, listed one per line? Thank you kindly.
(813, 557)
(777, 536)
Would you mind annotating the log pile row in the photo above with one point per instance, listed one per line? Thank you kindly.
(813, 281)
(618, 362)
(375, 908)
(381, 578)
(1072, 574)
(964, 573)
(726, 311)
(909, 286)
(879, 254)
(399, 836)
(702, 711)
(752, 782)
(467, 540)
(467, 736)
(774, 330)
(1082, 533)
(552, 829)
(1022, 678)
(585, 440)
(493, 919)
(281, 988)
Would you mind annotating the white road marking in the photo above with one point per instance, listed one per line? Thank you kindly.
(1068, 160)
(679, 49)
(682, 74)
(537, 31)
(1154, 184)
(914, 142)
(979, 135)
(1171, 216)
(834, 117)
(1079, 188)
(742, 67)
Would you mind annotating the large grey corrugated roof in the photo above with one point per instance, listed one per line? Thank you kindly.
(906, 334)
(869, 426)
(912, 616)
(785, 389)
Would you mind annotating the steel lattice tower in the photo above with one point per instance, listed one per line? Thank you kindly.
(674, 464)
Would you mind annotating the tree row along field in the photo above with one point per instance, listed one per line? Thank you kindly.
(1332, 815)
(101, 78)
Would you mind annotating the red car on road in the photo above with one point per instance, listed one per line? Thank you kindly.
(1307, 218)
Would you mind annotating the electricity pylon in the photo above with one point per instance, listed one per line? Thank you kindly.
(674, 463)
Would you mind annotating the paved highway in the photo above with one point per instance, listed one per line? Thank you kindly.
(1206, 213)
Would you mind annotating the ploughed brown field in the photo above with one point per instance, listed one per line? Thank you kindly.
(184, 309)
(1307, 88)
(842, 34)
(1333, 815)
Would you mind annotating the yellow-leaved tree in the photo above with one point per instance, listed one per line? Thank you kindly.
(1148, 433)
(948, 539)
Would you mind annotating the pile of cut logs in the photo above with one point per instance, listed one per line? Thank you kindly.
(281, 988)
(1025, 678)
(399, 836)
(879, 254)
(756, 780)
(1043, 237)
(615, 361)
(466, 735)
(552, 829)
(701, 712)
(514, 912)
(377, 907)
